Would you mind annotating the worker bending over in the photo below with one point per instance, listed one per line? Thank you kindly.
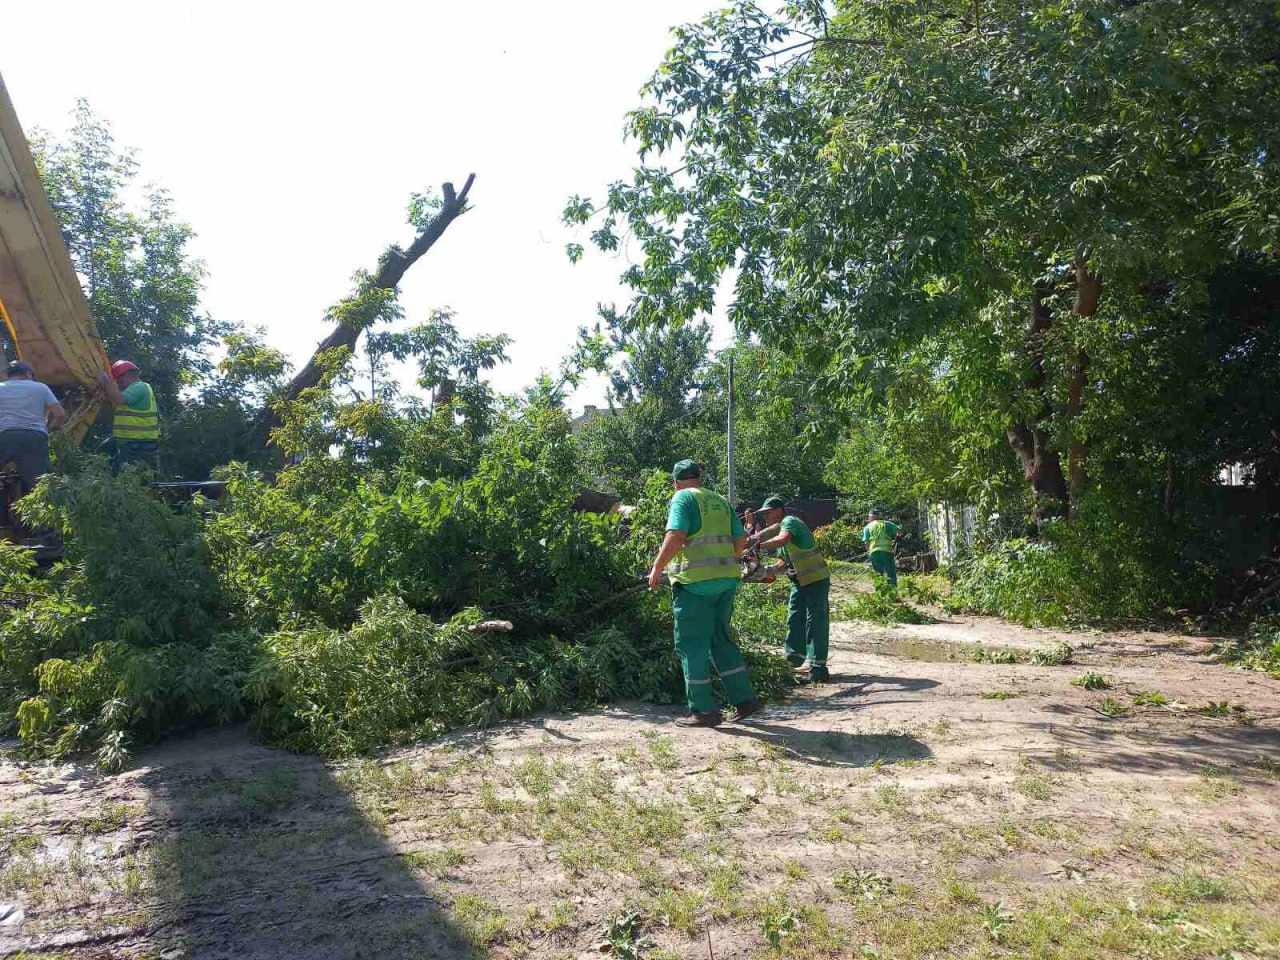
(808, 605)
(28, 409)
(879, 535)
(703, 542)
(135, 423)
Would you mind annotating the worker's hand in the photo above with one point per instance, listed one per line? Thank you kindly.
(655, 578)
(779, 566)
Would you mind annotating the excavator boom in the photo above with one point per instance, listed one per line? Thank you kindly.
(41, 303)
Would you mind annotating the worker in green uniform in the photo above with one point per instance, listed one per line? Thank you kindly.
(879, 535)
(703, 542)
(808, 606)
(135, 421)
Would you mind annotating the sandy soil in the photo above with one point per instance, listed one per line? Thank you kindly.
(896, 811)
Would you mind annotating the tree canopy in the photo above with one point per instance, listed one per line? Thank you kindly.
(1005, 195)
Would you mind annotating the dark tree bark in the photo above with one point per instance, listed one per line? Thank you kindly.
(1055, 492)
(1171, 483)
(1041, 465)
(1088, 292)
(391, 270)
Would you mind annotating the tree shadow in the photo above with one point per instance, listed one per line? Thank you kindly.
(832, 748)
(861, 684)
(1156, 742)
(262, 854)
(848, 693)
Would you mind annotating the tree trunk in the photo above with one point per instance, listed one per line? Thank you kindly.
(1088, 292)
(1170, 483)
(391, 269)
(1041, 465)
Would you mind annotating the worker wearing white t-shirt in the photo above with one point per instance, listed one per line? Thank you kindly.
(28, 409)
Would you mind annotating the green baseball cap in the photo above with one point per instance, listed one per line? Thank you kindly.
(686, 469)
(772, 503)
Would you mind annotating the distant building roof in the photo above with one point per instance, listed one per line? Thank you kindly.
(591, 412)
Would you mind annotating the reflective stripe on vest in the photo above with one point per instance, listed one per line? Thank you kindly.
(810, 566)
(708, 555)
(131, 424)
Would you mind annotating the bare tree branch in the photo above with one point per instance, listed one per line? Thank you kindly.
(391, 270)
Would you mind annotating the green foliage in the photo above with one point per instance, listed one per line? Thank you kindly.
(1152, 698)
(892, 189)
(924, 587)
(881, 605)
(141, 281)
(781, 922)
(995, 918)
(1097, 567)
(1091, 681)
(982, 655)
(360, 578)
(1259, 649)
(672, 401)
(1056, 656)
(861, 884)
(622, 936)
(841, 539)
(1112, 708)
(121, 642)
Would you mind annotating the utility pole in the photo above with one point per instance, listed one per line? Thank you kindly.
(733, 486)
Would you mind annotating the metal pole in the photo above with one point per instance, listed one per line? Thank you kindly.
(733, 486)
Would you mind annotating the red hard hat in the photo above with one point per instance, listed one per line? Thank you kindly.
(121, 367)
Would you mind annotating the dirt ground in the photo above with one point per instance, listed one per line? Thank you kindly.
(920, 805)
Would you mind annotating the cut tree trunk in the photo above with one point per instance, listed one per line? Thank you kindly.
(391, 270)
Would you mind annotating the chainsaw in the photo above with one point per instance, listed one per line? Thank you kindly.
(755, 569)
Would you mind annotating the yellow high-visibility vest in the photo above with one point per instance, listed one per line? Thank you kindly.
(809, 566)
(708, 554)
(131, 424)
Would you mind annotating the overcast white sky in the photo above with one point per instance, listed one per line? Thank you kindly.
(291, 135)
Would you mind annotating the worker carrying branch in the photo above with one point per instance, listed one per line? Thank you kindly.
(809, 603)
(135, 423)
(703, 542)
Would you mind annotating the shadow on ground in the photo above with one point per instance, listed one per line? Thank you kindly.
(832, 748)
(267, 857)
(1156, 742)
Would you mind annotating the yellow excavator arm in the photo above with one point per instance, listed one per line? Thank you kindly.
(41, 303)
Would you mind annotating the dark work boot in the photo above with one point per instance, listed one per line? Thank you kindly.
(820, 675)
(744, 710)
(712, 719)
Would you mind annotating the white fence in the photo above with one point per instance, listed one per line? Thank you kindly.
(951, 528)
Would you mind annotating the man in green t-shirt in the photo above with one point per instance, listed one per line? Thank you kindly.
(809, 603)
(879, 535)
(703, 542)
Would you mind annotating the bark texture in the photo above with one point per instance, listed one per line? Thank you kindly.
(1055, 492)
(1041, 465)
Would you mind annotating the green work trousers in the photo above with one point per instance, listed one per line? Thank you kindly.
(883, 563)
(809, 623)
(703, 641)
